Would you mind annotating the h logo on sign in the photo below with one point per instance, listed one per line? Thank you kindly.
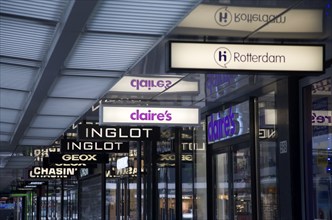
(222, 56)
(223, 17)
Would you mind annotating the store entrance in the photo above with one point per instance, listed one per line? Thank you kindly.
(232, 182)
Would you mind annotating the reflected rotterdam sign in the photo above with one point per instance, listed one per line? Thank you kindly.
(251, 18)
(246, 57)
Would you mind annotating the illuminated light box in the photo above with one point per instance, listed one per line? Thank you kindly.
(246, 57)
(148, 115)
(251, 18)
(139, 84)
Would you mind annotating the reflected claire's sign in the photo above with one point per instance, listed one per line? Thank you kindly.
(215, 56)
(250, 18)
(321, 118)
(229, 123)
(149, 115)
(138, 84)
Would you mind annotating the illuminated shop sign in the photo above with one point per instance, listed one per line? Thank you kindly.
(149, 115)
(78, 158)
(251, 18)
(321, 118)
(256, 57)
(115, 133)
(90, 146)
(139, 84)
(229, 123)
(51, 172)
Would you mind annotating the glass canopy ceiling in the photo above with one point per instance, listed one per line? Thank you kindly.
(58, 58)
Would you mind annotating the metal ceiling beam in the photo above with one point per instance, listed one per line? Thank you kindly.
(67, 32)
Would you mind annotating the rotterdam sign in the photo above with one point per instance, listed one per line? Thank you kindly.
(254, 57)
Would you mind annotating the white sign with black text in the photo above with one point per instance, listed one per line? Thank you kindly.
(255, 57)
(279, 20)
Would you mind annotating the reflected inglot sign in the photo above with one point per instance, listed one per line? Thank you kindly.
(246, 57)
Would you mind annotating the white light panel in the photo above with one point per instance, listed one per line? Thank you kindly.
(37, 141)
(12, 99)
(142, 17)
(81, 87)
(67, 107)
(41, 121)
(48, 10)
(9, 115)
(7, 127)
(24, 39)
(43, 132)
(108, 52)
(17, 77)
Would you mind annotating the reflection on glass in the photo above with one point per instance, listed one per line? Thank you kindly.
(321, 122)
(267, 148)
(242, 184)
(222, 188)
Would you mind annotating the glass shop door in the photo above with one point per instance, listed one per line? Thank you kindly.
(232, 183)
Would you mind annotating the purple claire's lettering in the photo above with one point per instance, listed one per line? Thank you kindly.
(150, 116)
(150, 83)
(222, 127)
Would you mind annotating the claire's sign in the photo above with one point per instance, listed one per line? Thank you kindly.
(149, 115)
(255, 57)
(229, 123)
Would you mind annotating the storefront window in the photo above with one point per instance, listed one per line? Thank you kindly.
(318, 146)
(267, 159)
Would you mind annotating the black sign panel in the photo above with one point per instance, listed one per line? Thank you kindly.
(78, 158)
(102, 133)
(94, 147)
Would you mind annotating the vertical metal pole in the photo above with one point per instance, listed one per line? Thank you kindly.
(47, 193)
(254, 153)
(148, 189)
(38, 204)
(118, 199)
(62, 199)
(154, 178)
(178, 174)
(139, 183)
(103, 191)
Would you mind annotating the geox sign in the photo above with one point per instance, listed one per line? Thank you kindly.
(51, 172)
(78, 158)
(95, 147)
